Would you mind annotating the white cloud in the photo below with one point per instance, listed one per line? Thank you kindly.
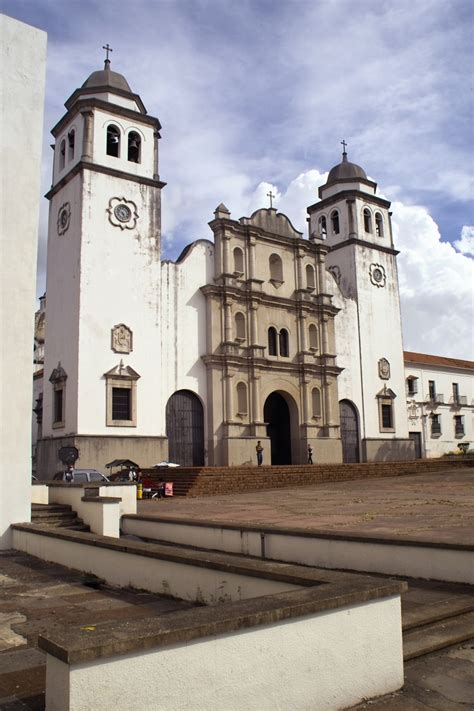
(465, 245)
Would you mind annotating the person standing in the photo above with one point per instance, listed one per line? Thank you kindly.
(310, 454)
(70, 474)
(259, 450)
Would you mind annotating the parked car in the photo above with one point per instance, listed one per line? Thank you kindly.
(166, 465)
(83, 476)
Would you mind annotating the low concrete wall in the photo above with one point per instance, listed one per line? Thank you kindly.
(322, 661)
(39, 494)
(366, 554)
(128, 565)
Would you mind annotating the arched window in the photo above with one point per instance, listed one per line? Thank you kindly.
(276, 268)
(367, 220)
(240, 326)
(310, 282)
(242, 406)
(272, 341)
(378, 224)
(335, 222)
(62, 154)
(238, 260)
(71, 138)
(313, 337)
(113, 141)
(134, 147)
(323, 227)
(284, 347)
(316, 402)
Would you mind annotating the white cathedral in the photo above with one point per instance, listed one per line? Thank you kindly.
(260, 333)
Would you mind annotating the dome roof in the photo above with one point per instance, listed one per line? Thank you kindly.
(346, 171)
(106, 77)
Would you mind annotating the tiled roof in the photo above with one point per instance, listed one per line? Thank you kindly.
(424, 359)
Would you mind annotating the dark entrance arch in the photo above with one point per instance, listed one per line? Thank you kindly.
(349, 432)
(277, 414)
(185, 429)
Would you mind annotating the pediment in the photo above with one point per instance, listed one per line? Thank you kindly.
(268, 219)
(122, 371)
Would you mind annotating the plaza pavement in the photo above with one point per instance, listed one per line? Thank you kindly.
(425, 507)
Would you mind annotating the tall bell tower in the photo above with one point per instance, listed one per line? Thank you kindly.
(356, 226)
(102, 370)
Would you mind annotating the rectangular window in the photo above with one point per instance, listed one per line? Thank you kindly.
(121, 404)
(435, 425)
(387, 417)
(58, 405)
(412, 386)
(458, 425)
(432, 389)
(455, 393)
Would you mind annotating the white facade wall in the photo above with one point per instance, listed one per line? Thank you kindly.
(420, 407)
(184, 322)
(23, 61)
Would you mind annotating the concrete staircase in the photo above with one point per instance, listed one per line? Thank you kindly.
(57, 516)
(436, 616)
(212, 481)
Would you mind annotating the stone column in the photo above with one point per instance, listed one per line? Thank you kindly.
(302, 322)
(229, 410)
(299, 270)
(87, 136)
(251, 244)
(226, 253)
(156, 166)
(321, 273)
(327, 403)
(227, 322)
(254, 383)
(253, 324)
(324, 336)
(306, 413)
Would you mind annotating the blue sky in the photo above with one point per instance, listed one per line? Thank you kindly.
(254, 93)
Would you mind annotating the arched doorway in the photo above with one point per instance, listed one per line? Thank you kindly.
(185, 429)
(276, 414)
(349, 432)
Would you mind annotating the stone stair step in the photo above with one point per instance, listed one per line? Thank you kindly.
(79, 527)
(51, 507)
(422, 615)
(430, 638)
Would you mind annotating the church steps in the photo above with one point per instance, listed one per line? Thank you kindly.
(209, 481)
(439, 635)
(57, 516)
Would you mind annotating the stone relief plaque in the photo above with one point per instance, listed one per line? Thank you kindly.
(122, 339)
(377, 275)
(384, 369)
(122, 213)
(64, 218)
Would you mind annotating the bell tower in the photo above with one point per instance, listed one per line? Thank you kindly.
(103, 276)
(355, 224)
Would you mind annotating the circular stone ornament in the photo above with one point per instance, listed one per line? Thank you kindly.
(122, 213)
(377, 275)
(64, 218)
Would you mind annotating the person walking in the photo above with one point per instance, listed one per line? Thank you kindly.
(310, 454)
(259, 450)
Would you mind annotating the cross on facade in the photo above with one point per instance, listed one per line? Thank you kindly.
(271, 196)
(107, 50)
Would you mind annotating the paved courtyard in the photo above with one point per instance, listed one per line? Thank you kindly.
(424, 507)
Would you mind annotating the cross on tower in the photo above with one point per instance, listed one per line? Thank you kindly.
(107, 50)
(271, 196)
(344, 145)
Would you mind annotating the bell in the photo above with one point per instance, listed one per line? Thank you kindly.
(134, 143)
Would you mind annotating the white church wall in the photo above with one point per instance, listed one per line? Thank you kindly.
(23, 61)
(62, 286)
(116, 99)
(184, 321)
(120, 284)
